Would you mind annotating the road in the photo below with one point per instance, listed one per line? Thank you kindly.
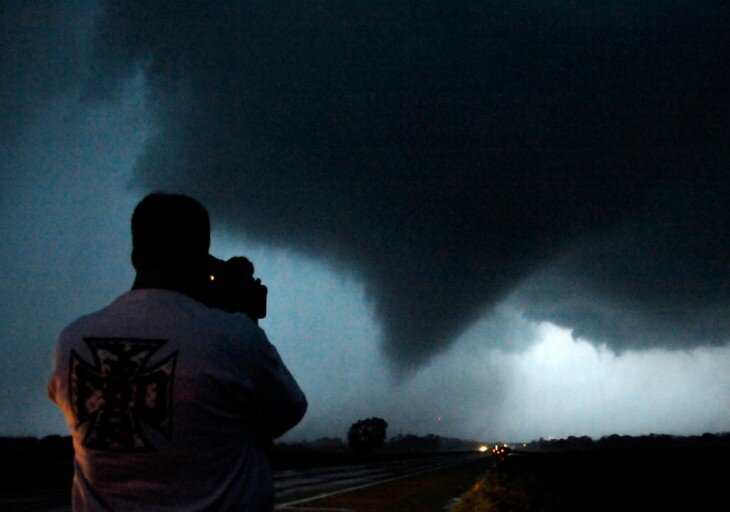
(422, 485)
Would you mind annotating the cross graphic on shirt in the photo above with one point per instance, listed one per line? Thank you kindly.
(113, 397)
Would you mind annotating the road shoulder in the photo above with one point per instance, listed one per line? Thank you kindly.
(430, 491)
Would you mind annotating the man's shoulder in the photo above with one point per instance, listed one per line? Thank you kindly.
(164, 313)
(136, 304)
(234, 324)
(189, 313)
(82, 322)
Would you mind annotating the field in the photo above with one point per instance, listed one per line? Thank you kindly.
(692, 478)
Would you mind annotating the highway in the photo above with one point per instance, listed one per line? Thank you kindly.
(379, 486)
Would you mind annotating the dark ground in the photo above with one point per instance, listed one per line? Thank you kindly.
(30, 463)
(691, 478)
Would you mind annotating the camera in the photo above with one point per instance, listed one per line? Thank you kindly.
(232, 287)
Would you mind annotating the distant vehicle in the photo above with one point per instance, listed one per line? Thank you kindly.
(500, 452)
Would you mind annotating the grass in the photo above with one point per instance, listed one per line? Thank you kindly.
(691, 479)
(511, 489)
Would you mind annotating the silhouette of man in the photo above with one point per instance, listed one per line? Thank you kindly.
(171, 403)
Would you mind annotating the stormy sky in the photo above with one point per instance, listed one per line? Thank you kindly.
(484, 219)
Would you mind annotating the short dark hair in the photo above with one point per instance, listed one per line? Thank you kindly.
(169, 229)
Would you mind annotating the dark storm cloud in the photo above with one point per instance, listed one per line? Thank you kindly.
(660, 280)
(41, 56)
(447, 151)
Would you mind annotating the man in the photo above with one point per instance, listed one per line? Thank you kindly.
(171, 403)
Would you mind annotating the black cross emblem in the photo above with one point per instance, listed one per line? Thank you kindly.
(119, 392)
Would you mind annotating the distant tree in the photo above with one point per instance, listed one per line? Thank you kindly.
(708, 438)
(367, 435)
(328, 444)
(413, 443)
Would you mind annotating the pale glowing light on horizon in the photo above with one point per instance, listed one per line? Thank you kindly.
(571, 387)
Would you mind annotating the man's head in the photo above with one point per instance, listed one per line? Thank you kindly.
(170, 242)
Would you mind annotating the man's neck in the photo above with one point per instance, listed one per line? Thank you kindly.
(154, 280)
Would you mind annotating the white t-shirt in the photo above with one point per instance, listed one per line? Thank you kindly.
(170, 405)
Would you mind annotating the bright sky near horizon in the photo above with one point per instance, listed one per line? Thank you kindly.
(517, 367)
